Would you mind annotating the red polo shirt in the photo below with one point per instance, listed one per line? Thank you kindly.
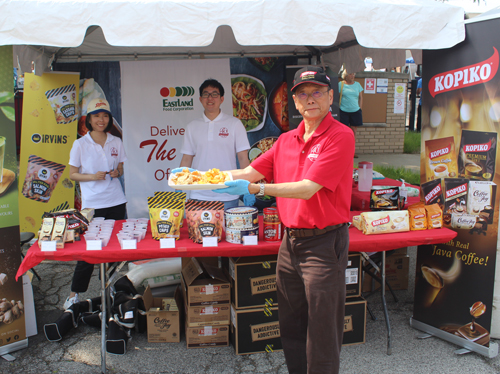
(327, 159)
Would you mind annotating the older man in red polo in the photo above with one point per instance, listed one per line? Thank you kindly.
(312, 171)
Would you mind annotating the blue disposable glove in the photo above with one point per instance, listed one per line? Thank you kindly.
(237, 187)
(249, 199)
(178, 170)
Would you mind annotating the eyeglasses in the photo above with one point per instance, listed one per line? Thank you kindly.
(315, 95)
(206, 95)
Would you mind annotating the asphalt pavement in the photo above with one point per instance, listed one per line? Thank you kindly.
(79, 351)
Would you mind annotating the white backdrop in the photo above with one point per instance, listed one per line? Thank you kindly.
(150, 90)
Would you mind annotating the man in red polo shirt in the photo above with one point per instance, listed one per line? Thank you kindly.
(312, 171)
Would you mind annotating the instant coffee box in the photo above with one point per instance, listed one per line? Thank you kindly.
(477, 156)
(481, 200)
(455, 195)
(433, 193)
(441, 159)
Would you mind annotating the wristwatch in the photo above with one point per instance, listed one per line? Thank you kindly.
(261, 190)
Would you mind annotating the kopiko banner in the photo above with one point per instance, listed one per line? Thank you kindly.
(50, 118)
(12, 322)
(460, 171)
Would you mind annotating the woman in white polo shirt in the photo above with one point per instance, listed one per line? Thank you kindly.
(96, 161)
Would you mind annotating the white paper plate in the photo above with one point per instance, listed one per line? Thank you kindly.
(185, 187)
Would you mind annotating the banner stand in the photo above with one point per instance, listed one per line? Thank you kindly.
(12, 347)
(491, 351)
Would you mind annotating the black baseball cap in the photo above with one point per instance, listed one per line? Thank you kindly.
(311, 74)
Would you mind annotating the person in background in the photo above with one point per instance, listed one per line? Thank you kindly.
(312, 171)
(215, 141)
(351, 102)
(96, 161)
(419, 109)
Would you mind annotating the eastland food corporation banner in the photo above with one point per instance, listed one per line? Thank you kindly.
(12, 327)
(50, 117)
(159, 99)
(460, 171)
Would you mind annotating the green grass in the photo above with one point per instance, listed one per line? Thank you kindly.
(412, 142)
(409, 176)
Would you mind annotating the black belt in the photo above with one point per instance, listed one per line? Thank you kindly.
(304, 233)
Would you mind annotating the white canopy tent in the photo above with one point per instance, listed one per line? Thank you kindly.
(336, 32)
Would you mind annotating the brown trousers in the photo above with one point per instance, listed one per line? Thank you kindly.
(311, 300)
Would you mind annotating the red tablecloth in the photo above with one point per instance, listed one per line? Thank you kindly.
(150, 248)
(361, 200)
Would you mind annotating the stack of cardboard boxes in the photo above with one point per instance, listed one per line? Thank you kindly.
(355, 306)
(206, 293)
(254, 309)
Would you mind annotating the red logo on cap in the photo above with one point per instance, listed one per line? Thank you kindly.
(99, 104)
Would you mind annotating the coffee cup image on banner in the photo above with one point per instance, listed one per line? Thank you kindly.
(41, 178)
(433, 280)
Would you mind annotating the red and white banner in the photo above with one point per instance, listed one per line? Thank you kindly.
(159, 98)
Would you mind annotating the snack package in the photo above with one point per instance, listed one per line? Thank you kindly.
(165, 215)
(162, 196)
(434, 216)
(41, 178)
(384, 222)
(441, 159)
(418, 217)
(45, 233)
(477, 156)
(76, 222)
(384, 198)
(59, 231)
(63, 103)
(356, 221)
(204, 219)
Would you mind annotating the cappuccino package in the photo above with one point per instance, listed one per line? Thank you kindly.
(477, 156)
(481, 199)
(463, 221)
(384, 222)
(455, 195)
(441, 159)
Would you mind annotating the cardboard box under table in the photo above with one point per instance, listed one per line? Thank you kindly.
(207, 336)
(396, 274)
(253, 281)
(204, 284)
(163, 325)
(255, 330)
(354, 321)
(353, 276)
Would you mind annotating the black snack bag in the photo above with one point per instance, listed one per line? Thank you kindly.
(477, 155)
(384, 198)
